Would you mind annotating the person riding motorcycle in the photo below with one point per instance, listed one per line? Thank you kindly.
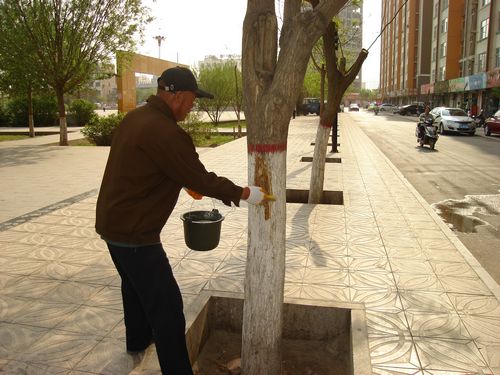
(423, 118)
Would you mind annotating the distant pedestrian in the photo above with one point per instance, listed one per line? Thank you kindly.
(104, 107)
(150, 161)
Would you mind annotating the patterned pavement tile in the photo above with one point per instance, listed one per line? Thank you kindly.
(408, 281)
(464, 285)
(467, 304)
(437, 325)
(44, 314)
(483, 329)
(90, 320)
(23, 368)
(371, 280)
(452, 355)
(17, 340)
(397, 351)
(377, 299)
(61, 349)
(386, 323)
(426, 301)
(108, 357)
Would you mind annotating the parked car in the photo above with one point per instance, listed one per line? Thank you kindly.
(387, 107)
(310, 105)
(353, 107)
(492, 124)
(410, 109)
(453, 120)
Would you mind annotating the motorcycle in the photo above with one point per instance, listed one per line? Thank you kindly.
(375, 110)
(426, 133)
(479, 120)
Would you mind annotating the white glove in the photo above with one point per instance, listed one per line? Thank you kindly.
(256, 195)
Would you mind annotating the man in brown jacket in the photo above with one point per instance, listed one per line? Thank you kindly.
(150, 160)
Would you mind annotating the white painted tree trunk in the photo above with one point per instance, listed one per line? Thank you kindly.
(318, 164)
(265, 270)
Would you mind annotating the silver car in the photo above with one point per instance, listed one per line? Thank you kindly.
(453, 120)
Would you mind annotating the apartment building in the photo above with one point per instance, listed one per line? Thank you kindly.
(405, 49)
(351, 20)
(456, 59)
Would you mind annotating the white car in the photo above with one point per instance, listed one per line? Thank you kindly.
(453, 120)
(387, 107)
(353, 107)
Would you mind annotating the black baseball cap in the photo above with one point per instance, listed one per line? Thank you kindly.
(181, 79)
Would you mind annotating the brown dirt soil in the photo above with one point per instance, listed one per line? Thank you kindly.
(300, 357)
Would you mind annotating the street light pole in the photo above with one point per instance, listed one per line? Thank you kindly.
(159, 39)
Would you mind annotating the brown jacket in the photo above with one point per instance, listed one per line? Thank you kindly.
(150, 160)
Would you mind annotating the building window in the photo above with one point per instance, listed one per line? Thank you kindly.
(486, 2)
(434, 54)
(434, 35)
(442, 73)
(436, 8)
(442, 50)
(481, 62)
(483, 32)
(497, 58)
(444, 25)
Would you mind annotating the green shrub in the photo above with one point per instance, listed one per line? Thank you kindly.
(81, 111)
(197, 129)
(99, 130)
(44, 111)
(4, 116)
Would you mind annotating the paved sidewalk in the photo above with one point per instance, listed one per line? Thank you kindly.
(430, 307)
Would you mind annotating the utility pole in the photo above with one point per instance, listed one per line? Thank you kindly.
(159, 39)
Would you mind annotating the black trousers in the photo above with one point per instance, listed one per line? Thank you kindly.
(152, 305)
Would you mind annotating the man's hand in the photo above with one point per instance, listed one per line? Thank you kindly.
(256, 195)
(194, 194)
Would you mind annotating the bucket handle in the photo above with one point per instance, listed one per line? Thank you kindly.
(233, 208)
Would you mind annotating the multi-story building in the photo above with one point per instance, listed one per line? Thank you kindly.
(405, 49)
(351, 20)
(445, 52)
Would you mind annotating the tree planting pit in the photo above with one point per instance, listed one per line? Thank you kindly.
(319, 337)
(329, 144)
(309, 159)
(302, 196)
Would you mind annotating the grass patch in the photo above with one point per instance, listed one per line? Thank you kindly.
(81, 142)
(75, 142)
(214, 141)
(233, 123)
(5, 137)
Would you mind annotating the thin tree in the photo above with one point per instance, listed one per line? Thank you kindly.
(217, 79)
(271, 84)
(338, 80)
(70, 39)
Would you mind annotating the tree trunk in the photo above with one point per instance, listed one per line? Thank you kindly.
(265, 270)
(338, 82)
(318, 164)
(270, 86)
(63, 127)
(31, 121)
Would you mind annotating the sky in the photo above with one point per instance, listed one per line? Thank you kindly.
(196, 28)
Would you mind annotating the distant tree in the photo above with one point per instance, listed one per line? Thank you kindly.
(67, 40)
(218, 79)
(17, 78)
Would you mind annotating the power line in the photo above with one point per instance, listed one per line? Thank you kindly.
(387, 24)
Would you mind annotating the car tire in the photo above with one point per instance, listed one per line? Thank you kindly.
(441, 129)
(487, 130)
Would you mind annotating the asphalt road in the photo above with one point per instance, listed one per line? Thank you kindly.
(460, 179)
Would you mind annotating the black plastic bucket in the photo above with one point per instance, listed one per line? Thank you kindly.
(202, 229)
